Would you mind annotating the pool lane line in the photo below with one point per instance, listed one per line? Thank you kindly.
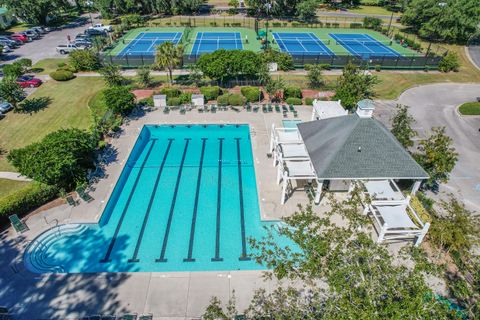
(244, 256)
(130, 196)
(150, 203)
(195, 207)
(172, 207)
(219, 204)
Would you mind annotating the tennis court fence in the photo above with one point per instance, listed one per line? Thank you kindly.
(299, 60)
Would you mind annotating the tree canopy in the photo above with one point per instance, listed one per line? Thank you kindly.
(60, 159)
(455, 21)
(168, 57)
(229, 64)
(402, 126)
(110, 8)
(36, 12)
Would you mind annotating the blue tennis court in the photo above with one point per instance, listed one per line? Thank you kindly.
(301, 43)
(363, 45)
(206, 42)
(146, 42)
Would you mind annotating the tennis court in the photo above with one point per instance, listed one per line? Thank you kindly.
(364, 46)
(206, 42)
(301, 43)
(145, 42)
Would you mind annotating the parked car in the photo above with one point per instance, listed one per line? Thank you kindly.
(5, 106)
(95, 32)
(82, 36)
(39, 29)
(11, 43)
(67, 48)
(101, 27)
(6, 49)
(20, 37)
(83, 43)
(6, 43)
(28, 81)
(31, 34)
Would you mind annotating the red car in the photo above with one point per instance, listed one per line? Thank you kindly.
(28, 81)
(21, 37)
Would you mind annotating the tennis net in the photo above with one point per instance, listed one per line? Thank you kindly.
(302, 41)
(363, 43)
(218, 40)
(151, 41)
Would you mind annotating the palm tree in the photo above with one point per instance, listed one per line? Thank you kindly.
(168, 56)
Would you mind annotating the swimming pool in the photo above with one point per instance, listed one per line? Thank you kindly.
(186, 200)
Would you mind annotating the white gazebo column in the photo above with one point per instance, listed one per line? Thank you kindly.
(314, 113)
(416, 186)
(284, 188)
(272, 138)
(318, 193)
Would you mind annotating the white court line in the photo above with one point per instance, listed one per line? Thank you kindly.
(319, 43)
(199, 42)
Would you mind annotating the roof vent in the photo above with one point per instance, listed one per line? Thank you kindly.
(359, 149)
(365, 108)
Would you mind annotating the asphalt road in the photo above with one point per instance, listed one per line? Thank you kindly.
(474, 52)
(436, 106)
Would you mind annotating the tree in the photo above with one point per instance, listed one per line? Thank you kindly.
(233, 3)
(354, 85)
(144, 76)
(314, 75)
(456, 21)
(274, 88)
(11, 91)
(36, 12)
(402, 126)
(223, 64)
(449, 62)
(307, 10)
(119, 99)
(84, 60)
(12, 71)
(345, 274)
(111, 75)
(437, 156)
(62, 158)
(168, 57)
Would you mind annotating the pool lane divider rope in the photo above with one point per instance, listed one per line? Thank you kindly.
(219, 204)
(244, 256)
(125, 209)
(150, 203)
(195, 206)
(172, 207)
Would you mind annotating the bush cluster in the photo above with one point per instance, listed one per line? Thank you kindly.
(355, 25)
(252, 94)
(62, 75)
(294, 101)
(119, 99)
(292, 92)
(309, 101)
(449, 62)
(173, 102)
(185, 97)
(412, 44)
(84, 60)
(26, 199)
(170, 92)
(210, 92)
(372, 23)
(231, 100)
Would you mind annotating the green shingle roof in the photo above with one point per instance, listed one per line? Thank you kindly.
(350, 147)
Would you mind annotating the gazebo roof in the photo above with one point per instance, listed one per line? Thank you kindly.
(351, 147)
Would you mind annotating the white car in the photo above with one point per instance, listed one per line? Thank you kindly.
(5, 106)
(101, 27)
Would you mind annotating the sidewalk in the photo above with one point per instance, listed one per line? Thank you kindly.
(13, 176)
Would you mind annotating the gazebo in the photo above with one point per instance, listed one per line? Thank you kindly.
(327, 109)
(357, 147)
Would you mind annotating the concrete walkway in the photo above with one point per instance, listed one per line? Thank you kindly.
(13, 176)
(436, 106)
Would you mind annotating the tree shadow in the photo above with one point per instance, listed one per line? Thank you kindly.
(33, 105)
(30, 295)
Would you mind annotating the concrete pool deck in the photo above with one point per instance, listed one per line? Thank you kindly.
(172, 295)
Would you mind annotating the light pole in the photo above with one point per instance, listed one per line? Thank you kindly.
(90, 5)
(391, 19)
(442, 5)
(268, 6)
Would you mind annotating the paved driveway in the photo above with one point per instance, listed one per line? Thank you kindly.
(474, 52)
(436, 105)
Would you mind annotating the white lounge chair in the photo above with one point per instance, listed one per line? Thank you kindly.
(284, 136)
(394, 222)
(384, 192)
(289, 152)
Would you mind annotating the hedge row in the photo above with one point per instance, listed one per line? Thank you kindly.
(231, 100)
(294, 101)
(62, 75)
(210, 92)
(292, 92)
(252, 94)
(26, 199)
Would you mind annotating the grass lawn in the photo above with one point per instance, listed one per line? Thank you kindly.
(373, 10)
(470, 109)
(46, 66)
(69, 108)
(8, 187)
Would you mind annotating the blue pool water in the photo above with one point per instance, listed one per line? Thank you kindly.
(186, 200)
(206, 42)
(146, 42)
(290, 123)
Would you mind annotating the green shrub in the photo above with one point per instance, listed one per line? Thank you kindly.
(378, 68)
(147, 102)
(173, 102)
(292, 92)
(372, 23)
(449, 62)
(223, 100)
(170, 92)
(61, 65)
(210, 92)
(84, 60)
(294, 101)
(119, 99)
(185, 97)
(62, 75)
(66, 67)
(26, 199)
(355, 25)
(309, 101)
(236, 100)
(252, 94)
(283, 59)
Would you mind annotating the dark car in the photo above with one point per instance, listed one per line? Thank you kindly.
(95, 32)
(27, 81)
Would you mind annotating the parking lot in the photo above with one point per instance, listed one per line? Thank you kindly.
(45, 47)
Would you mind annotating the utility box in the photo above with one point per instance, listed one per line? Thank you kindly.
(160, 101)
(198, 100)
